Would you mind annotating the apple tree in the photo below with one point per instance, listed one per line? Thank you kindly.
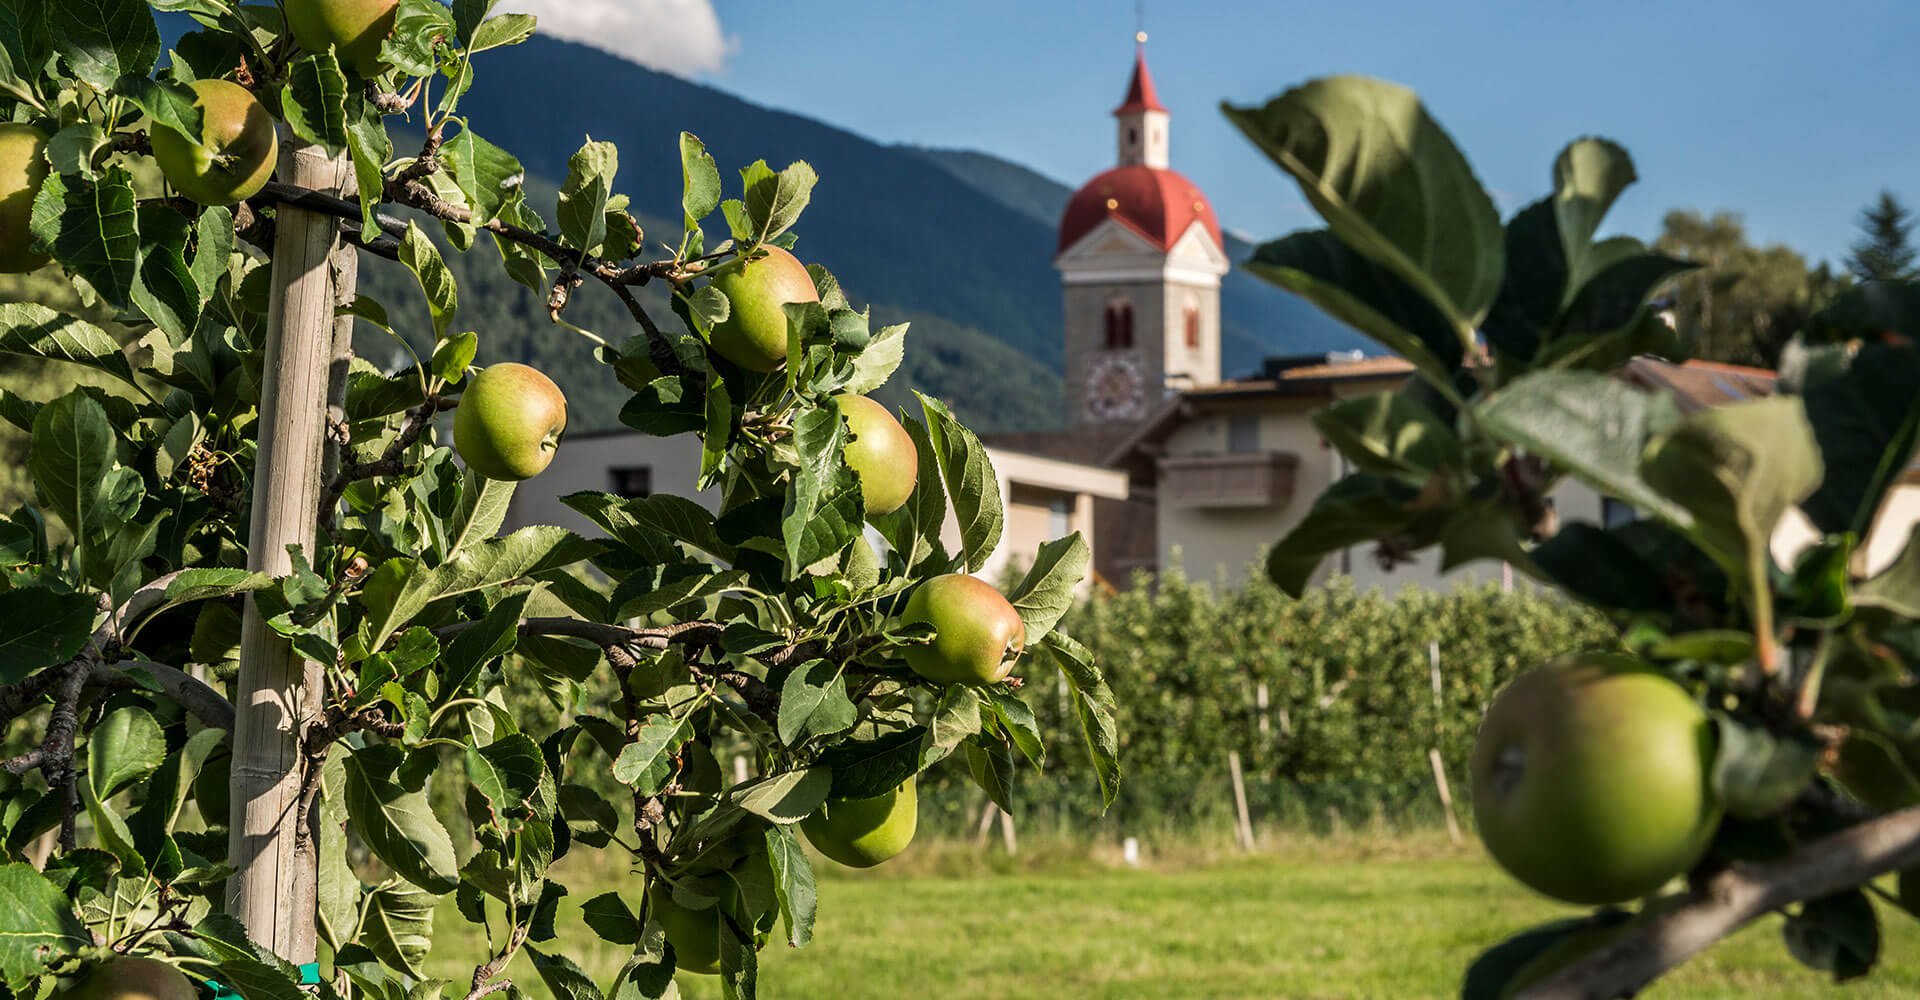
(1751, 738)
(259, 608)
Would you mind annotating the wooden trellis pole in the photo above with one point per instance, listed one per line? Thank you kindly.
(273, 889)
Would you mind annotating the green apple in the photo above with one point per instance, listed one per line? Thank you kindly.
(978, 633)
(694, 934)
(861, 833)
(509, 422)
(881, 453)
(1592, 779)
(235, 155)
(132, 978)
(23, 167)
(355, 29)
(754, 334)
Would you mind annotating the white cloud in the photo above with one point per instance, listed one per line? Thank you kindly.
(679, 36)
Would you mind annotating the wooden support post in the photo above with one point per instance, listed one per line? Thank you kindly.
(986, 824)
(1244, 830)
(274, 886)
(1007, 838)
(1446, 794)
(1433, 752)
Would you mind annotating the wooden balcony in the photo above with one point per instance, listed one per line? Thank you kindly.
(1252, 479)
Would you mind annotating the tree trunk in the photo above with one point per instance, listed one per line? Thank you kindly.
(273, 889)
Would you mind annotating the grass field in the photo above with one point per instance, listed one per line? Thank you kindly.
(1371, 916)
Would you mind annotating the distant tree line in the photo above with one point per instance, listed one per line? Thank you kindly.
(1747, 300)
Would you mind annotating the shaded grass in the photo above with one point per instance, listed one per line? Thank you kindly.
(1364, 916)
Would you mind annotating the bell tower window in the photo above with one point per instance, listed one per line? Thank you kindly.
(1119, 327)
(1190, 322)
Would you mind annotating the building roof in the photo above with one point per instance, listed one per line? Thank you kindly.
(1697, 385)
(1140, 92)
(1159, 204)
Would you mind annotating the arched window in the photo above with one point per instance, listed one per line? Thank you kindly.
(1119, 325)
(1192, 323)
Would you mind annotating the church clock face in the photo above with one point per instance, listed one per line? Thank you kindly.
(1116, 388)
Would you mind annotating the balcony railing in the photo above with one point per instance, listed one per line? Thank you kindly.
(1253, 479)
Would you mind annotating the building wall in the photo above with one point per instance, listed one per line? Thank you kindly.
(1085, 323)
(585, 463)
(1225, 544)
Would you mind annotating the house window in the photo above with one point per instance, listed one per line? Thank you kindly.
(1119, 325)
(1614, 513)
(1060, 517)
(1243, 435)
(1192, 323)
(631, 482)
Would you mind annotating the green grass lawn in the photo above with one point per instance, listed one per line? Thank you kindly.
(1364, 917)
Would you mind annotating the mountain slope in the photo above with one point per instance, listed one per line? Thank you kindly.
(1257, 320)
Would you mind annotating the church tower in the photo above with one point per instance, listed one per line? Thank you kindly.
(1141, 258)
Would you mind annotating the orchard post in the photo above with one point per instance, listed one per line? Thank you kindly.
(272, 891)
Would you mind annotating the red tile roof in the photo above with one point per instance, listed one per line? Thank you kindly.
(1159, 204)
(1140, 93)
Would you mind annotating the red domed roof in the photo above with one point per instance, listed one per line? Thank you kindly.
(1156, 203)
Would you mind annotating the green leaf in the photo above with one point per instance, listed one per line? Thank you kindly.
(1863, 400)
(863, 769)
(1390, 183)
(1838, 934)
(1047, 593)
(406, 589)
(990, 764)
(370, 147)
(1093, 705)
(788, 797)
(125, 747)
(1017, 720)
(36, 924)
(563, 978)
(103, 40)
(398, 926)
(699, 181)
(174, 105)
(1757, 773)
(421, 257)
(112, 832)
(609, 916)
(93, 230)
(453, 355)
(793, 883)
(34, 331)
(1390, 434)
(398, 825)
(1595, 427)
(165, 289)
(1359, 508)
(512, 774)
(956, 716)
(774, 201)
(641, 523)
(648, 761)
(1365, 295)
(486, 174)
(971, 482)
(823, 510)
(314, 101)
(1587, 176)
(40, 628)
(72, 450)
(914, 530)
(1737, 469)
(877, 361)
(507, 29)
(814, 702)
(583, 198)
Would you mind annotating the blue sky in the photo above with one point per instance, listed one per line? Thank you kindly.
(1793, 114)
